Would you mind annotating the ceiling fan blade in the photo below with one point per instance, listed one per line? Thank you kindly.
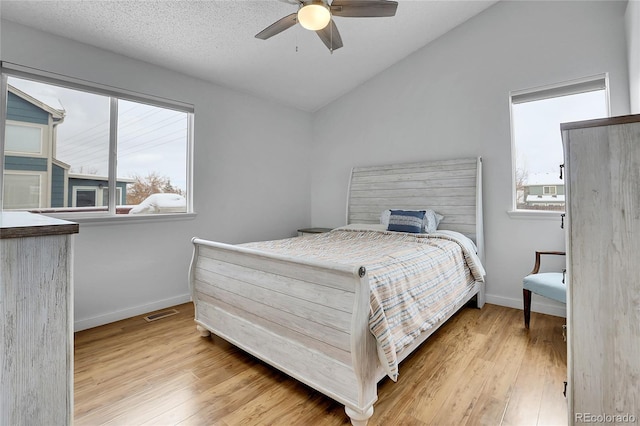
(330, 36)
(364, 8)
(278, 26)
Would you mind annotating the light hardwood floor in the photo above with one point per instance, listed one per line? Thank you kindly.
(481, 368)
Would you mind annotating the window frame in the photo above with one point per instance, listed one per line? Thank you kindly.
(8, 69)
(565, 88)
(40, 153)
(74, 195)
(42, 195)
(97, 190)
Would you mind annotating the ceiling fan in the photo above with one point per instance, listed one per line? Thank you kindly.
(316, 15)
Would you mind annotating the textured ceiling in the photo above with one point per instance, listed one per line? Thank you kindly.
(214, 40)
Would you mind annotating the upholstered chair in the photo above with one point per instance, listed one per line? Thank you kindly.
(548, 284)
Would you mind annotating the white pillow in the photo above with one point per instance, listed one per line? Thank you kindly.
(429, 224)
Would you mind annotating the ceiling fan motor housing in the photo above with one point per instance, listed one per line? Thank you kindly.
(314, 15)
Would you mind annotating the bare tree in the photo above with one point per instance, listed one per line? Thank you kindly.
(522, 175)
(85, 171)
(150, 184)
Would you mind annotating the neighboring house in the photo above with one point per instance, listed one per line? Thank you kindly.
(544, 190)
(90, 190)
(33, 177)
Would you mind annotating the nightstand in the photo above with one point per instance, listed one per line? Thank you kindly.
(310, 231)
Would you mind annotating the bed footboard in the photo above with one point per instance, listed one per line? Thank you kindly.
(308, 319)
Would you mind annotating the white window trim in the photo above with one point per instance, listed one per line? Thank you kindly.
(21, 71)
(99, 219)
(118, 198)
(535, 214)
(29, 73)
(3, 120)
(40, 153)
(74, 194)
(580, 85)
(99, 194)
(549, 192)
(43, 193)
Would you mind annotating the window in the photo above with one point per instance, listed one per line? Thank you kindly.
(84, 196)
(537, 150)
(100, 152)
(105, 197)
(22, 191)
(21, 138)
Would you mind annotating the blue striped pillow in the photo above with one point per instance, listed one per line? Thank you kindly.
(406, 221)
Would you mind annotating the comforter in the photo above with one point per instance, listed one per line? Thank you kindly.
(415, 279)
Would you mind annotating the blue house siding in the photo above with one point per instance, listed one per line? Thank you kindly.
(123, 186)
(12, 162)
(20, 110)
(57, 186)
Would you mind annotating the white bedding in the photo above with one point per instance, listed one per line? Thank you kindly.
(415, 279)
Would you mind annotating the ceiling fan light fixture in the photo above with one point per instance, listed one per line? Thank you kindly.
(314, 16)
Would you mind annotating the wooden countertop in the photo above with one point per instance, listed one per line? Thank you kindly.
(24, 224)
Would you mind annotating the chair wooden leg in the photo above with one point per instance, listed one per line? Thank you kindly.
(526, 296)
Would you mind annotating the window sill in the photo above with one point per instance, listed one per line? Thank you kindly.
(88, 219)
(534, 214)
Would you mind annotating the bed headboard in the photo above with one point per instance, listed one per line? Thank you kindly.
(452, 188)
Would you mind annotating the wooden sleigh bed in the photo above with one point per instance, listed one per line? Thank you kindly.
(309, 318)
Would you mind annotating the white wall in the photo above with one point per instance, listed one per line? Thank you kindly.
(632, 21)
(251, 179)
(451, 99)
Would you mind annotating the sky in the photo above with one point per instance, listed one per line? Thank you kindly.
(150, 139)
(536, 127)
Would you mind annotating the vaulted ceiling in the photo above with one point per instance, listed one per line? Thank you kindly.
(214, 40)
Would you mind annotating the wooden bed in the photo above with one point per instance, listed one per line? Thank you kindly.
(309, 318)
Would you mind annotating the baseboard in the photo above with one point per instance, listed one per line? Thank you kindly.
(83, 324)
(536, 305)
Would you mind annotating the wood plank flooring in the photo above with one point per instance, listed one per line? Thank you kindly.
(481, 368)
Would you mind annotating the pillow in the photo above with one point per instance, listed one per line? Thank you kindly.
(406, 221)
(384, 218)
(429, 225)
(431, 221)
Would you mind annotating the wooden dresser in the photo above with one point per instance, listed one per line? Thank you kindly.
(36, 314)
(602, 162)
